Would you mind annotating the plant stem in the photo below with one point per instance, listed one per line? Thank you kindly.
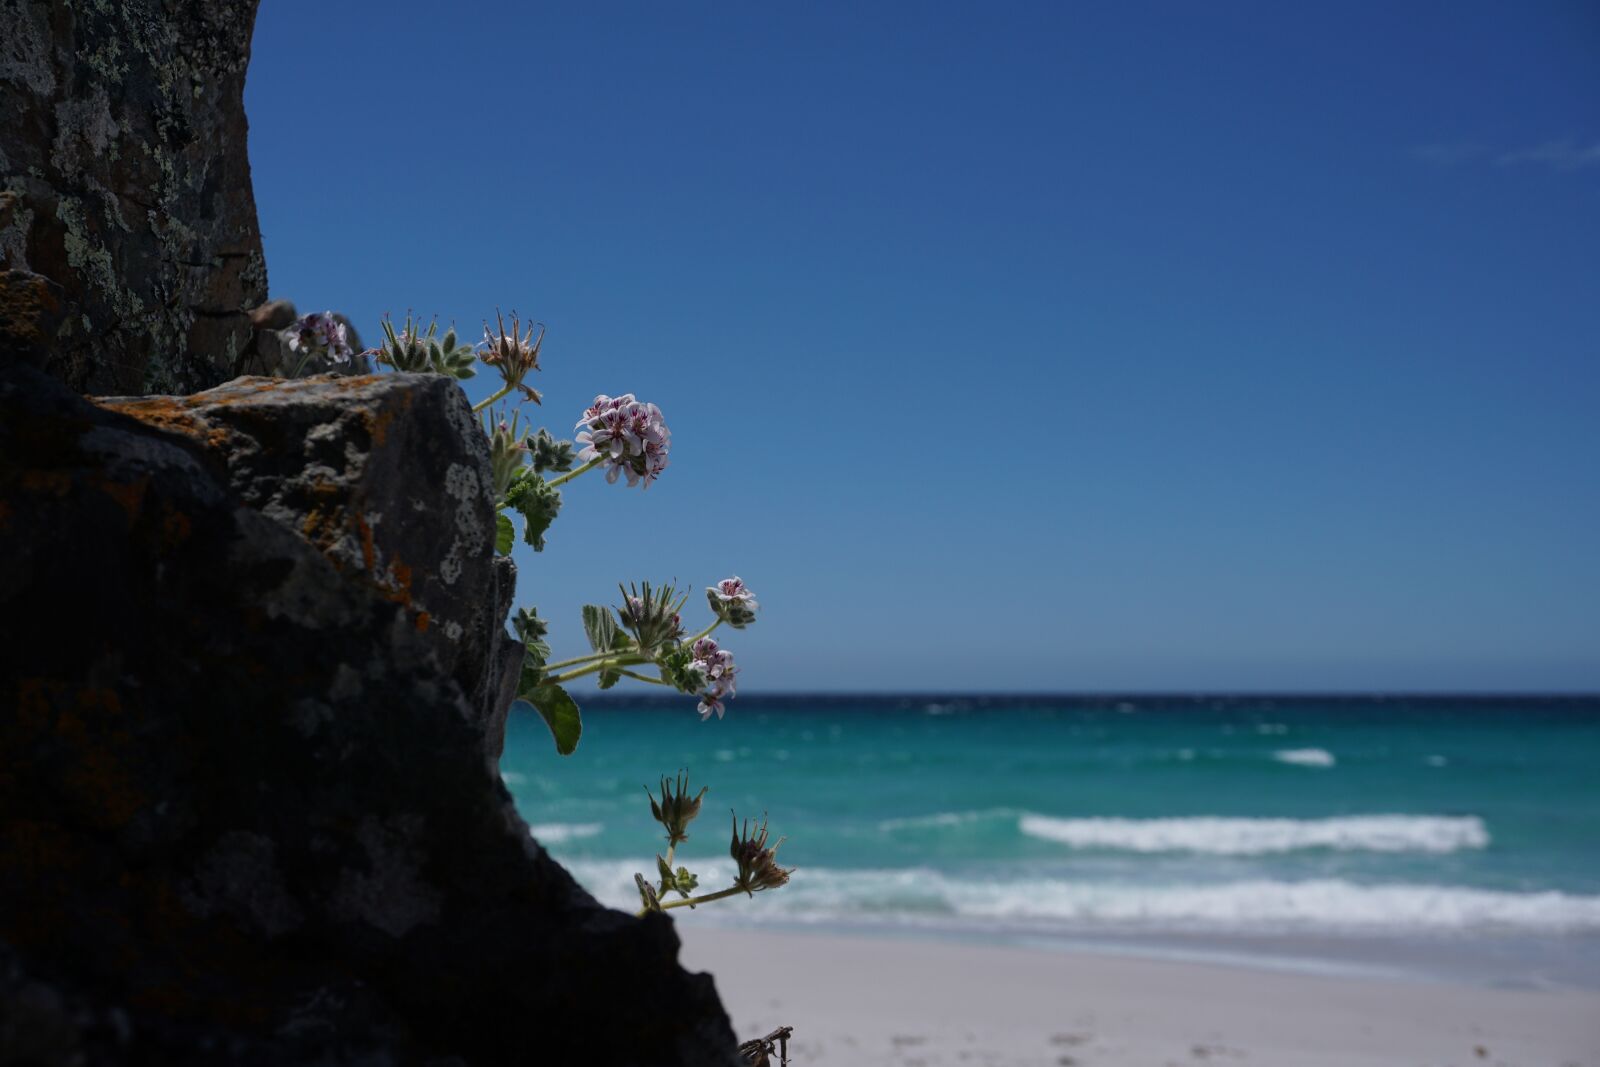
(567, 477)
(490, 400)
(576, 660)
(692, 901)
(703, 633)
(593, 667)
(643, 678)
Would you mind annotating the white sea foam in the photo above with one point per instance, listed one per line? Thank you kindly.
(926, 897)
(1218, 835)
(948, 818)
(1305, 757)
(555, 833)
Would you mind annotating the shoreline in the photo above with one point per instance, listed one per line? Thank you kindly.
(909, 1000)
(1490, 960)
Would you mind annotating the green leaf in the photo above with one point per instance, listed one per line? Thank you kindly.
(549, 454)
(504, 533)
(560, 713)
(538, 502)
(531, 631)
(599, 627)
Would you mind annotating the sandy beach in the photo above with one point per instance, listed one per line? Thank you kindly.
(867, 1000)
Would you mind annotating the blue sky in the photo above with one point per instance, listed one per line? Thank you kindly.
(1011, 347)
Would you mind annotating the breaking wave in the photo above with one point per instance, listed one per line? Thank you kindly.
(920, 896)
(1222, 836)
(1305, 757)
(555, 833)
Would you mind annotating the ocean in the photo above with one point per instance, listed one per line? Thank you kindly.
(1460, 833)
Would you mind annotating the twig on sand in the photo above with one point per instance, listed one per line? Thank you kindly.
(758, 1051)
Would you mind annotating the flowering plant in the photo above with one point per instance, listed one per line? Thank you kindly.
(318, 334)
(755, 863)
(643, 636)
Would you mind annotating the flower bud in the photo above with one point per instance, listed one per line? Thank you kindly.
(733, 602)
(758, 866)
(676, 808)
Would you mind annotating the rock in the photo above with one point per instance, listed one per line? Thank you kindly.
(126, 182)
(274, 315)
(245, 814)
(32, 308)
(388, 477)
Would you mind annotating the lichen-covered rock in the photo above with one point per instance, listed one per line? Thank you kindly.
(245, 816)
(32, 308)
(389, 478)
(125, 180)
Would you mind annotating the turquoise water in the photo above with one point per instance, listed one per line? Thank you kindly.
(1316, 817)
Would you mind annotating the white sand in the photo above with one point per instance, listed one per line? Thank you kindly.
(864, 1001)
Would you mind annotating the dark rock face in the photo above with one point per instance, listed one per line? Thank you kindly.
(245, 814)
(125, 181)
(388, 477)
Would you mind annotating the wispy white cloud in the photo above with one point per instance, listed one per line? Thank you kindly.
(1565, 155)
(1448, 153)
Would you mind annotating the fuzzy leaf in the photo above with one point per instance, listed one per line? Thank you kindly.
(599, 627)
(504, 534)
(538, 504)
(559, 712)
(531, 631)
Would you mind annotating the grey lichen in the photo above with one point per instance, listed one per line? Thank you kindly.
(25, 56)
(391, 893)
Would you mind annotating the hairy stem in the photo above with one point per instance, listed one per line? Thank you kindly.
(567, 477)
(703, 633)
(490, 400)
(692, 901)
(593, 667)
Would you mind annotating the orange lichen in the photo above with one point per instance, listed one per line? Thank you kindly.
(130, 495)
(171, 414)
(35, 708)
(378, 426)
(398, 585)
(175, 529)
(53, 483)
(98, 776)
(369, 551)
(422, 622)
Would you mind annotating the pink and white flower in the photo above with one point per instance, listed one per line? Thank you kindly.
(733, 602)
(715, 666)
(630, 438)
(320, 334)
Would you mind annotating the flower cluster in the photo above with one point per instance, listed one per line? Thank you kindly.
(513, 353)
(758, 864)
(652, 615)
(629, 436)
(507, 452)
(733, 602)
(414, 351)
(676, 808)
(715, 667)
(319, 334)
